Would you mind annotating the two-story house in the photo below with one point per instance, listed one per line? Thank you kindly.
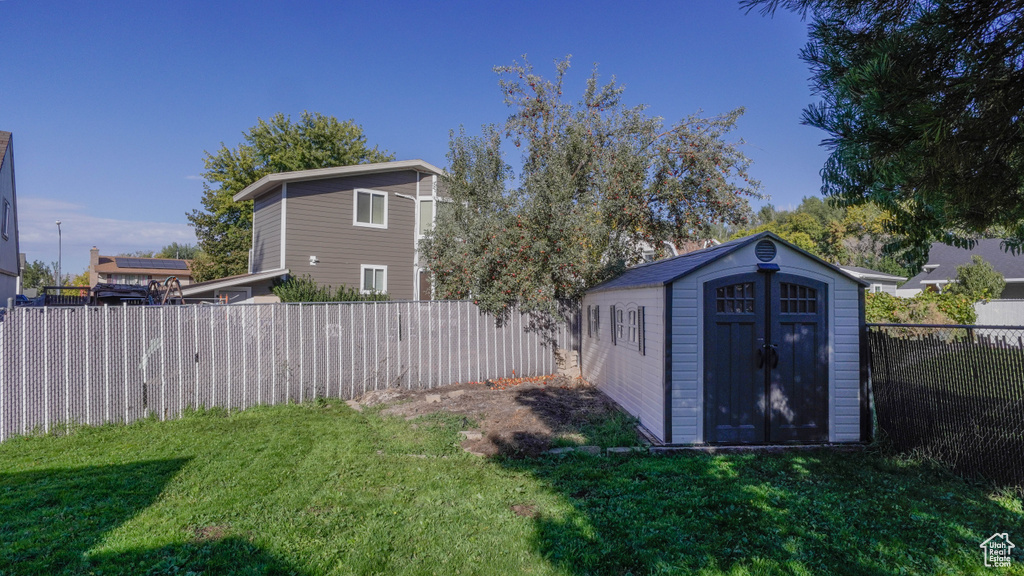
(356, 226)
(10, 269)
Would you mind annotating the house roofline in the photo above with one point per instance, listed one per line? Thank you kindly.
(270, 181)
(231, 281)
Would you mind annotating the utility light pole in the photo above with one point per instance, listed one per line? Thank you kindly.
(59, 277)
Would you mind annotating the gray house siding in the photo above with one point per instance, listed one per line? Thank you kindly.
(634, 379)
(9, 268)
(266, 236)
(325, 209)
(688, 345)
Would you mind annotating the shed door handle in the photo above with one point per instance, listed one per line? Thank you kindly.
(773, 354)
(760, 357)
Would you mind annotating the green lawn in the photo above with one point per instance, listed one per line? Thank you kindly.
(317, 489)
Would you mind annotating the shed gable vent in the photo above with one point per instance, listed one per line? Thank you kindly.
(765, 250)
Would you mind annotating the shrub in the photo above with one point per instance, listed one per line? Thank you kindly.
(924, 308)
(305, 289)
(977, 280)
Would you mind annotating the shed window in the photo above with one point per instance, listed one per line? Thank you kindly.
(735, 299)
(6, 225)
(632, 326)
(620, 325)
(371, 209)
(796, 299)
(594, 322)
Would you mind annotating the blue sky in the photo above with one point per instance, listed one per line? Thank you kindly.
(112, 104)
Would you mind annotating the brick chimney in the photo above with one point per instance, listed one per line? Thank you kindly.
(94, 260)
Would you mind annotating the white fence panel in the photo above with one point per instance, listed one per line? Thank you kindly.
(92, 365)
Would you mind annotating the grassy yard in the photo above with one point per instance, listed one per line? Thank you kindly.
(318, 489)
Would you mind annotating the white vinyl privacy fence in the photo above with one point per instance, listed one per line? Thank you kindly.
(92, 365)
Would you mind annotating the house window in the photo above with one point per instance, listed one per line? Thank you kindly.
(5, 227)
(426, 216)
(876, 288)
(371, 209)
(375, 278)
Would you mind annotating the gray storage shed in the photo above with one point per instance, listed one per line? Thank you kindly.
(753, 341)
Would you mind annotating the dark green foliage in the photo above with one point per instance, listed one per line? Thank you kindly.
(922, 103)
(223, 226)
(178, 251)
(36, 275)
(598, 180)
(305, 289)
(977, 281)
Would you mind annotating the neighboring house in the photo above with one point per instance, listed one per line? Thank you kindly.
(10, 269)
(356, 226)
(132, 270)
(753, 341)
(943, 260)
(879, 281)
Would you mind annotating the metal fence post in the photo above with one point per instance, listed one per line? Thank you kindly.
(302, 355)
(213, 361)
(124, 350)
(259, 357)
(88, 374)
(24, 375)
(46, 372)
(181, 376)
(340, 363)
(106, 362)
(163, 368)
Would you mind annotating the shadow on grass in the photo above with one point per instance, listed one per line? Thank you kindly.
(51, 519)
(789, 513)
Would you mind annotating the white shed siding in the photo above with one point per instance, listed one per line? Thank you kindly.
(687, 369)
(634, 381)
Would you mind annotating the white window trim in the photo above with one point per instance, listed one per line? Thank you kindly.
(433, 215)
(355, 208)
(362, 274)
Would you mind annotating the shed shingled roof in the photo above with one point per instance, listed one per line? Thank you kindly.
(662, 272)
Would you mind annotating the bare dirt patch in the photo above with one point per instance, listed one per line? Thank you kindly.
(518, 417)
(210, 533)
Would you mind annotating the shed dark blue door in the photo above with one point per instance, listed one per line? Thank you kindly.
(765, 360)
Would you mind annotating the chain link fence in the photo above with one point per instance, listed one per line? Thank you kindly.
(953, 393)
(92, 365)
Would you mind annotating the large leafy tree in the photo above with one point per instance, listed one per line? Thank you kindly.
(36, 274)
(598, 181)
(224, 227)
(923, 103)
